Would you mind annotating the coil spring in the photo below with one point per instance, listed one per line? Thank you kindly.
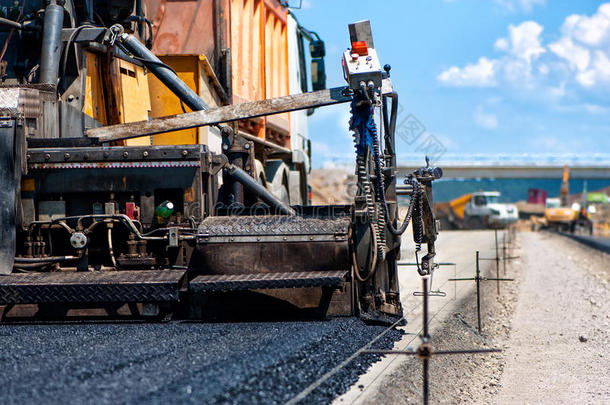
(381, 204)
(418, 226)
(363, 180)
(372, 208)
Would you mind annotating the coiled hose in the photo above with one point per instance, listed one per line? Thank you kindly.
(365, 133)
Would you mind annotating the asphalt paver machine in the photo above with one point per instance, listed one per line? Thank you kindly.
(109, 205)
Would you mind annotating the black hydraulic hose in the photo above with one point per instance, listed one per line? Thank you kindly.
(390, 130)
(167, 76)
(393, 118)
(252, 185)
(415, 198)
(154, 62)
(66, 51)
(141, 19)
(48, 259)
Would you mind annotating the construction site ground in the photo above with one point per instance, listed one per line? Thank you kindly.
(552, 323)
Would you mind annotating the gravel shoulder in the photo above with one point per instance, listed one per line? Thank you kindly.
(452, 321)
(553, 324)
(560, 349)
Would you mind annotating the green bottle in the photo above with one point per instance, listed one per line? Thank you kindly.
(164, 211)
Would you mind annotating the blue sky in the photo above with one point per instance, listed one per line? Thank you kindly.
(482, 77)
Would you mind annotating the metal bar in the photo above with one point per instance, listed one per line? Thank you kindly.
(425, 309)
(478, 279)
(426, 387)
(425, 340)
(411, 352)
(415, 264)
(221, 114)
(504, 254)
(467, 351)
(389, 351)
(264, 142)
(252, 185)
(497, 279)
(497, 262)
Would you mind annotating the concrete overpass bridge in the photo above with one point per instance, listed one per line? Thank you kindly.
(539, 166)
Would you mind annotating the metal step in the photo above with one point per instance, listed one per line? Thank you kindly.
(91, 287)
(241, 282)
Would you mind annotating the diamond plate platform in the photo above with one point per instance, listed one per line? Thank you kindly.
(241, 282)
(91, 287)
(267, 225)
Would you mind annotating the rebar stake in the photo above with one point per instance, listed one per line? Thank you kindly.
(478, 280)
(426, 351)
(497, 262)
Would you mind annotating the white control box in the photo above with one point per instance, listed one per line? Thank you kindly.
(362, 68)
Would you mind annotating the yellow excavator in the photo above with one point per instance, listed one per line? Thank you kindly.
(560, 216)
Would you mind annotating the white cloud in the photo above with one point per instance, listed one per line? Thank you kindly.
(484, 120)
(577, 56)
(593, 31)
(559, 91)
(501, 44)
(596, 109)
(579, 59)
(525, 40)
(481, 74)
(521, 48)
(585, 46)
(519, 5)
(543, 69)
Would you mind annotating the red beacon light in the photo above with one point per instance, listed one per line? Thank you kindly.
(360, 48)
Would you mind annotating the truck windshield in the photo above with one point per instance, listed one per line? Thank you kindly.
(493, 199)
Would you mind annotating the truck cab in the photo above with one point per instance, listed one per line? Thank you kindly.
(486, 207)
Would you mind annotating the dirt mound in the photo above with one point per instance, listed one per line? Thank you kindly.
(332, 186)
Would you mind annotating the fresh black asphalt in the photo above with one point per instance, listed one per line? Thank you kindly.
(232, 363)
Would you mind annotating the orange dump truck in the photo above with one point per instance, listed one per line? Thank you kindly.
(227, 52)
(476, 210)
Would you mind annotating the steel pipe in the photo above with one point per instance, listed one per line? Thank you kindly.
(50, 53)
(256, 188)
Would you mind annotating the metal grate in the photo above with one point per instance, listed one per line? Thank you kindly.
(91, 287)
(240, 282)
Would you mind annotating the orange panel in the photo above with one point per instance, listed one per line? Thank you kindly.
(246, 50)
(94, 96)
(182, 27)
(259, 49)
